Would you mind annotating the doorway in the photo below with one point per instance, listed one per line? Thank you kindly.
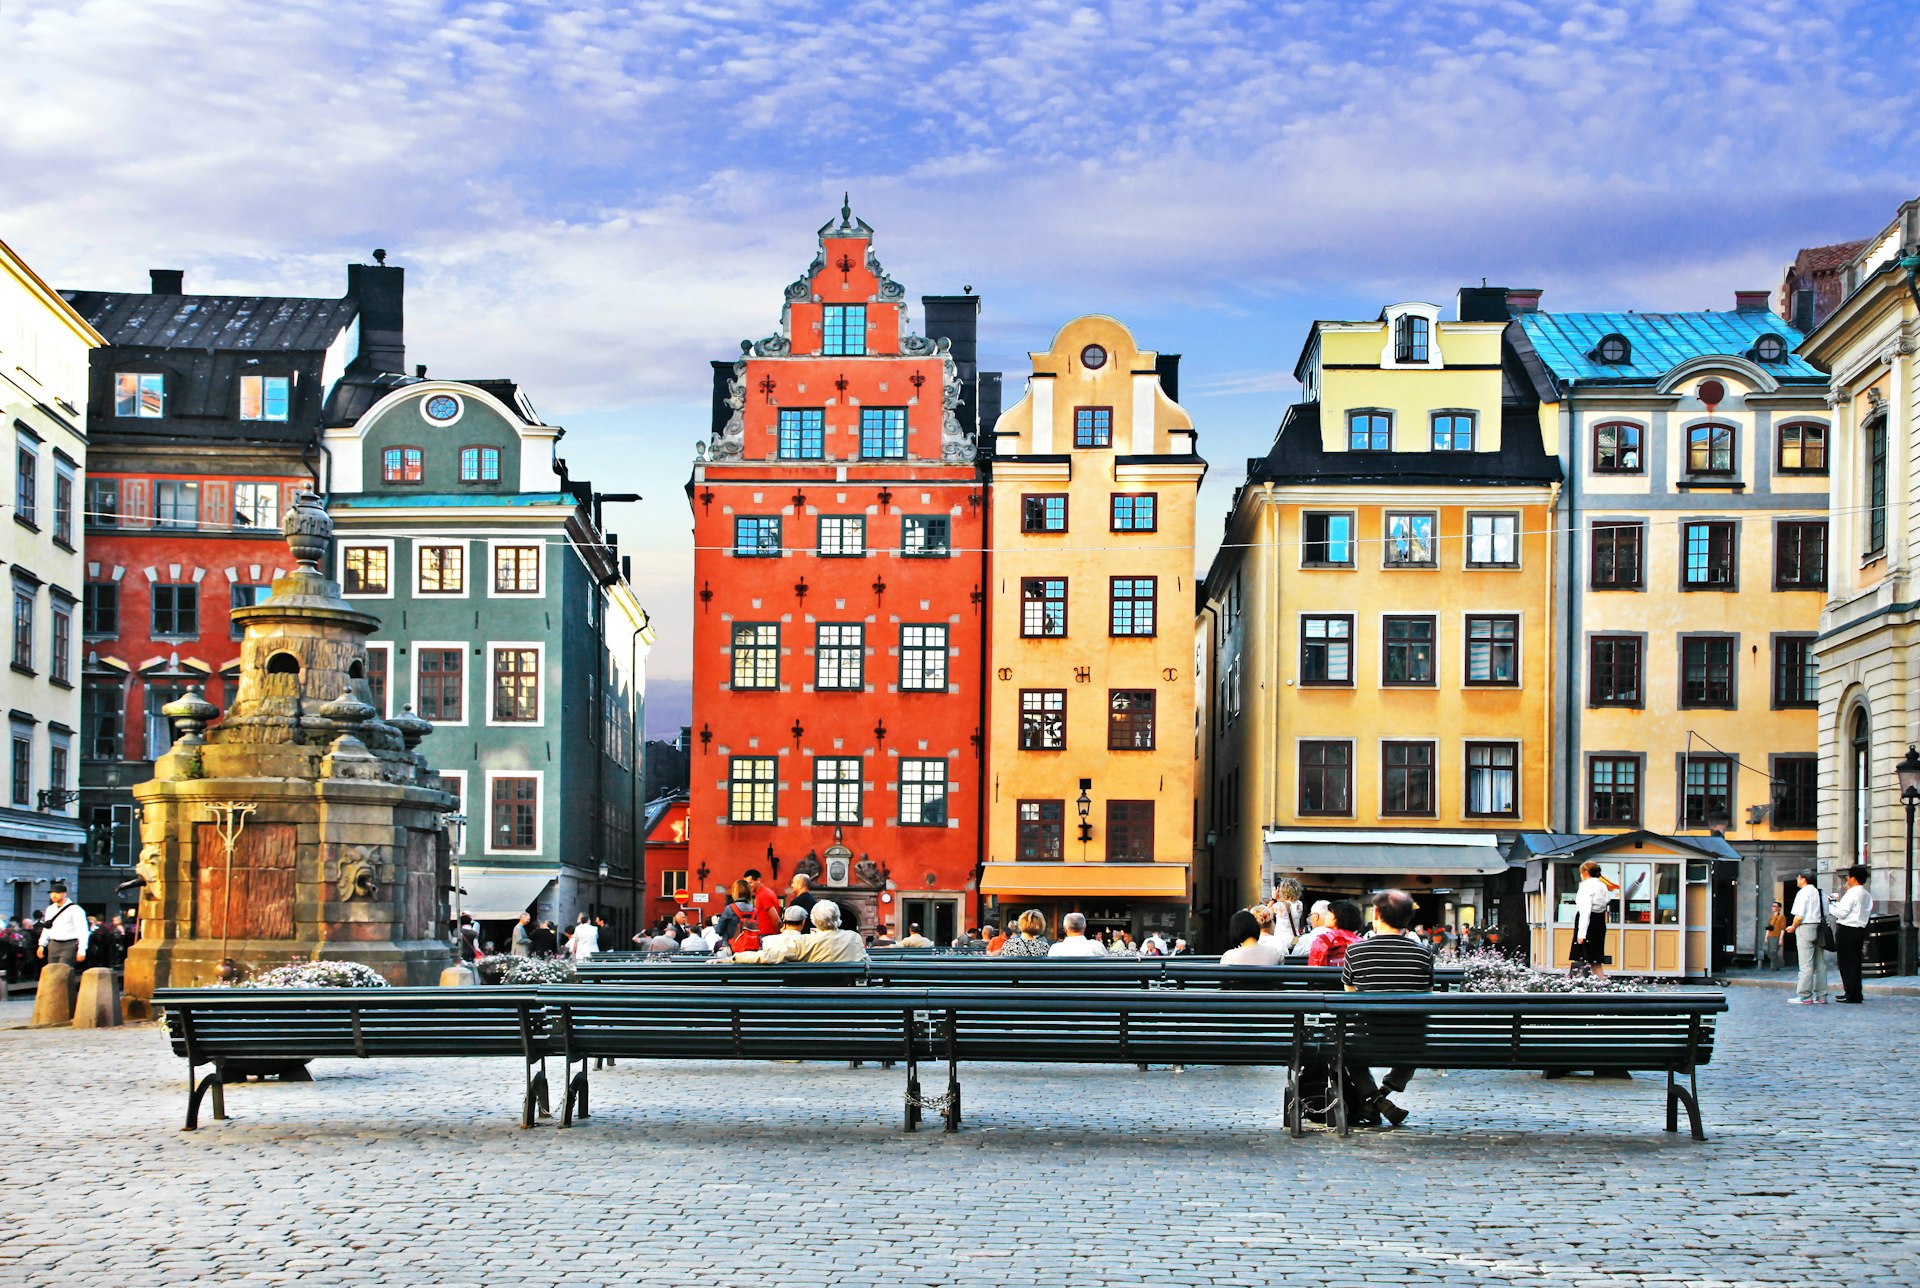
(938, 919)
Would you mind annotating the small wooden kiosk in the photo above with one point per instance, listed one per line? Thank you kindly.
(1661, 920)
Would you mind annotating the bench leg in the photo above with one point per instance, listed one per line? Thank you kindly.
(913, 1077)
(952, 1111)
(1338, 1109)
(219, 1093)
(1677, 1096)
(576, 1096)
(195, 1093)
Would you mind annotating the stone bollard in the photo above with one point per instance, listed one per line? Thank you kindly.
(99, 1004)
(458, 977)
(53, 1000)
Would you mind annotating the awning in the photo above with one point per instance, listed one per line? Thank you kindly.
(1086, 880)
(1375, 854)
(494, 896)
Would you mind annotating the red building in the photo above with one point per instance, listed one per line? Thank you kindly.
(666, 866)
(838, 624)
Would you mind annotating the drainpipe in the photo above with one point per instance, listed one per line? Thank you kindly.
(1570, 774)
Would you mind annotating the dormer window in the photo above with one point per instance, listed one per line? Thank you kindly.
(1769, 348)
(1369, 431)
(1453, 431)
(479, 465)
(1410, 335)
(402, 465)
(265, 397)
(139, 394)
(1613, 350)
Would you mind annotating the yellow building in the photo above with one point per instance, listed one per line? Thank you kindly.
(1380, 618)
(1691, 582)
(1092, 483)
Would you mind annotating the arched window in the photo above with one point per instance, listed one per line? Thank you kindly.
(1858, 810)
(1803, 448)
(1616, 448)
(1710, 449)
(402, 465)
(1614, 350)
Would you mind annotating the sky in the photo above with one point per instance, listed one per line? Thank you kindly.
(596, 199)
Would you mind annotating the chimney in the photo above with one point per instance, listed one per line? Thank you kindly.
(168, 281)
(380, 291)
(1750, 301)
(956, 319)
(1168, 365)
(722, 380)
(1481, 304)
(1523, 300)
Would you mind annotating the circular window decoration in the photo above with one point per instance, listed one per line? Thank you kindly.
(1712, 392)
(444, 408)
(1093, 357)
(1613, 350)
(1769, 348)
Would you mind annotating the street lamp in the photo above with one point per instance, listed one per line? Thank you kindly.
(456, 825)
(1085, 803)
(1908, 772)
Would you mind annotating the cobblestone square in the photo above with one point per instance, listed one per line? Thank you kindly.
(415, 1172)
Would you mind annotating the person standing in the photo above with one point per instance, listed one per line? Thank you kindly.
(1774, 954)
(1590, 920)
(1851, 912)
(522, 945)
(1289, 914)
(800, 895)
(766, 904)
(1809, 914)
(63, 931)
(584, 942)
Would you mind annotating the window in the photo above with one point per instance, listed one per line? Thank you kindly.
(1130, 719)
(843, 330)
(1042, 831)
(159, 728)
(1326, 777)
(103, 503)
(1410, 540)
(756, 655)
(1408, 651)
(1492, 778)
(1707, 790)
(63, 506)
(1800, 555)
(1326, 650)
(1803, 448)
(1614, 670)
(672, 882)
(923, 792)
(365, 571)
(26, 498)
(23, 605)
(756, 538)
(926, 535)
(883, 433)
(256, 506)
(60, 663)
(1493, 650)
(1135, 512)
(57, 775)
(1769, 348)
(750, 789)
(1410, 338)
(1616, 449)
(1043, 607)
(1706, 670)
(442, 569)
(1613, 791)
(1796, 792)
(1796, 675)
(1406, 778)
(402, 465)
(1709, 556)
(803, 434)
(1493, 540)
(22, 768)
(515, 824)
(441, 688)
(516, 570)
(1877, 485)
(1043, 513)
(1043, 719)
(1129, 831)
(923, 659)
(1326, 540)
(265, 397)
(839, 656)
(246, 595)
(479, 465)
(836, 789)
(100, 608)
(140, 394)
(1133, 605)
(1093, 427)
(1616, 559)
(1613, 350)
(176, 610)
(176, 504)
(1710, 449)
(1453, 431)
(516, 685)
(843, 536)
(378, 688)
(102, 708)
(1369, 431)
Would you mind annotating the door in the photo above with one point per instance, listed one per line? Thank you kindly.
(938, 919)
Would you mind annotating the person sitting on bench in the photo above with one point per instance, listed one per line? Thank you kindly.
(1388, 961)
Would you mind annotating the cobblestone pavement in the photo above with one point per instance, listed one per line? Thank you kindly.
(771, 1174)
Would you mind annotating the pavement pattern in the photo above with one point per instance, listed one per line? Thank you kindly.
(416, 1172)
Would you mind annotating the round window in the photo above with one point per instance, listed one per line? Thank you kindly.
(1613, 350)
(1769, 348)
(443, 407)
(1093, 357)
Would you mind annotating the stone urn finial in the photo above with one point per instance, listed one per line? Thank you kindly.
(308, 530)
(191, 714)
(347, 710)
(411, 727)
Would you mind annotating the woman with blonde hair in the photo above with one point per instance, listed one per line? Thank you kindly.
(1289, 914)
(1030, 936)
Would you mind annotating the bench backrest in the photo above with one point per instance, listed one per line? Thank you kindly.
(316, 1023)
(729, 1022)
(1653, 1030)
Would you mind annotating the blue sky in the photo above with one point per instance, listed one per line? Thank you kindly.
(596, 199)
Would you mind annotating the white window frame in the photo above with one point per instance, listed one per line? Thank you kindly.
(1500, 565)
(363, 543)
(540, 561)
(420, 545)
(539, 777)
(272, 526)
(466, 807)
(386, 647)
(465, 648)
(539, 692)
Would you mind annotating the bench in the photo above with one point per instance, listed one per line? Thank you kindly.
(1037, 972)
(238, 1030)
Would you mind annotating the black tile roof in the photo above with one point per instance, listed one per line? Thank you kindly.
(1298, 457)
(245, 323)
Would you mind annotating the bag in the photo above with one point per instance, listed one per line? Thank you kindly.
(748, 939)
(1827, 943)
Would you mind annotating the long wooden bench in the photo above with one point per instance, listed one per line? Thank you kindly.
(237, 1030)
(1036, 972)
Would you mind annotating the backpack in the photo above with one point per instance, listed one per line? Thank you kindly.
(748, 939)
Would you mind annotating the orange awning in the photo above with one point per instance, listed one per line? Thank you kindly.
(1085, 880)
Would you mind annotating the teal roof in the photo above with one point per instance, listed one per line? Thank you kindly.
(1659, 342)
(408, 500)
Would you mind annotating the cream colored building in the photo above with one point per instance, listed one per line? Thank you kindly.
(43, 404)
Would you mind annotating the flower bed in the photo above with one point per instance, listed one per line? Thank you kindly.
(323, 974)
(1492, 972)
(503, 968)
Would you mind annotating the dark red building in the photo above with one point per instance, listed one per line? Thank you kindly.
(838, 623)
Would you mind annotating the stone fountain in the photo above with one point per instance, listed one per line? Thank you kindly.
(302, 826)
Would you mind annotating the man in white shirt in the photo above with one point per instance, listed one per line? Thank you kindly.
(1850, 913)
(1320, 921)
(1076, 943)
(782, 947)
(584, 942)
(1809, 910)
(63, 932)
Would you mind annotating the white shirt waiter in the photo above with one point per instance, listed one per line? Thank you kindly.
(1853, 908)
(66, 923)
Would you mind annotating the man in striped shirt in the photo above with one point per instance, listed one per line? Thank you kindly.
(1388, 961)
